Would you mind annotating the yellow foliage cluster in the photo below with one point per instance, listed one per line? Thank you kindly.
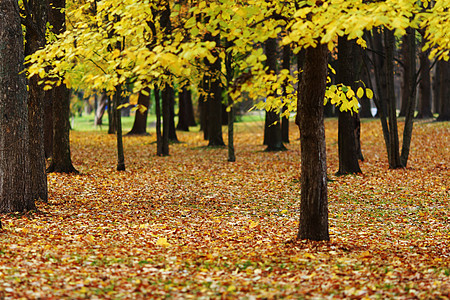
(84, 56)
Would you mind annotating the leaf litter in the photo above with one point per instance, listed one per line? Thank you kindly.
(193, 225)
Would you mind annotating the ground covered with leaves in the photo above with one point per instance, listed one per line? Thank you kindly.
(193, 225)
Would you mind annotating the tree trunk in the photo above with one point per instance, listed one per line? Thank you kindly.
(61, 160)
(111, 118)
(231, 112)
(100, 110)
(214, 98)
(444, 93)
(140, 119)
(166, 98)
(48, 124)
(313, 223)
(15, 178)
(117, 100)
(406, 74)
(411, 104)
(394, 155)
(159, 138)
(437, 85)
(285, 120)
(347, 122)
(172, 130)
(272, 127)
(202, 108)
(36, 21)
(185, 110)
(424, 85)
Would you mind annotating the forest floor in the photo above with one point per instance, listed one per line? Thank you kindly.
(193, 225)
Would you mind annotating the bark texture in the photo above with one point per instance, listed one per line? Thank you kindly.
(272, 128)
(36, 21)
(348, 123)
(214, 99)
(61, 160)
(15, 177)
(313, 223)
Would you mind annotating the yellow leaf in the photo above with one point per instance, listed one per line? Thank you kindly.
(360, 92)
(253, 224)
(369, 93)
(308, 255)
(163, 242)
(231, 288)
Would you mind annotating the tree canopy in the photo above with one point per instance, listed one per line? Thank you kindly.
(85, 57)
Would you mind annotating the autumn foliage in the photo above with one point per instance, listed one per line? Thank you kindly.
(193, 225)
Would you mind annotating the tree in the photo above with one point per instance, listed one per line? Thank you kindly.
(272, 127)
(185, 110)
(444, 99)
(313, 223)
(424, 85)
(348, 122)
(16, 192)
(36, 23)
(140, 119)
(61, 160)
(212, 87)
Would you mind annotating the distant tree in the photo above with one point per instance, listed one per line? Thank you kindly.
(425, 100)
(140, 119)
(185, 109)
(213, 88)
(16, 192)
(444, 92)
(272, 125)
(348, 122)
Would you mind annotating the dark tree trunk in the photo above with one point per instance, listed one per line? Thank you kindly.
(15, 177)
(48, 124)
(61, 161)
(272, 126)
(300, 63)
(202, 107)
(117, 100)
(166, 95)
(424, 85)
(111, 118)
(285, 120)
(348, 143)
(140, 119)
(406, 75)
(313, 223)
(231, 112)
(186, 110)
(437, 85)
(36, 21)
(172, 130)
(214, 98)
(444, 93)
(411, 104)
(394, 154)
(159, 137)
(365, 109)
